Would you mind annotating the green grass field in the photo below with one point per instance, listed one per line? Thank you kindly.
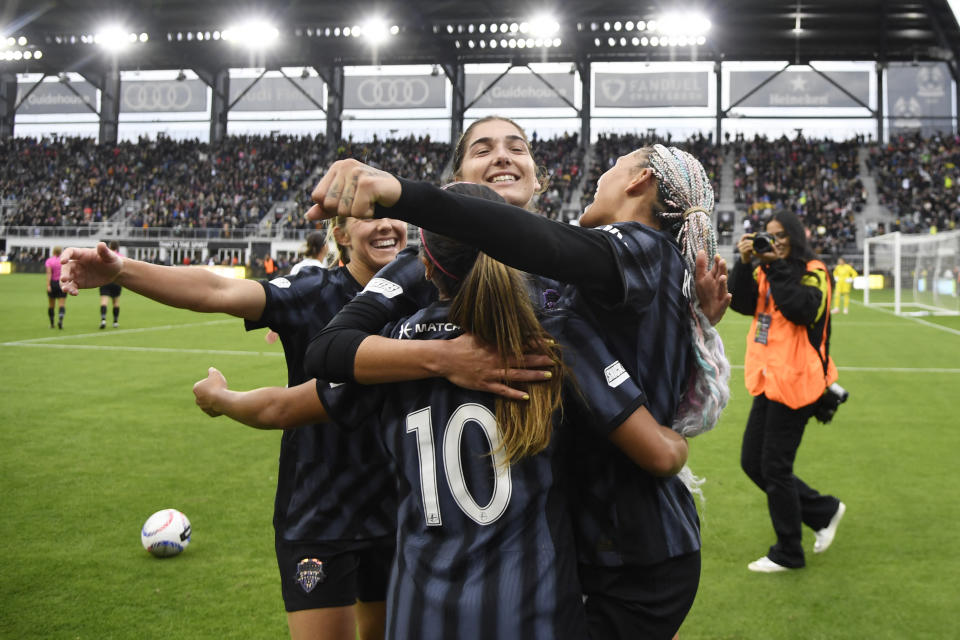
(99, 430)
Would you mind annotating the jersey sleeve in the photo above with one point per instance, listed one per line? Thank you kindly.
(606, 392)
(512, 235)
(350, 405)
(397, 291)
(282, 295)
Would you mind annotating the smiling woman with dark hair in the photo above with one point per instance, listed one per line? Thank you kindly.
(787, 368)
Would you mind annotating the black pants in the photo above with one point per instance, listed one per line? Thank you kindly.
(770, 444)
(640, 602)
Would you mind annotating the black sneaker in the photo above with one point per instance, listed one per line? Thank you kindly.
(103, 324)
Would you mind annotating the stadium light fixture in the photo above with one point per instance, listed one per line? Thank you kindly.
(112, 37)
(375, 31)
(543, 26)
(254, 34)
(682, 24)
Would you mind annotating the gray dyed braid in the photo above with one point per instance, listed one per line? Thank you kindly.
(684, 190)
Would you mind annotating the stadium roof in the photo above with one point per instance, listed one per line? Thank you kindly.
(186, 33)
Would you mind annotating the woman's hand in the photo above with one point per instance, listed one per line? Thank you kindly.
(207, 390)
(711, 287)
(473, 364)
(351, 188)
(745, 247)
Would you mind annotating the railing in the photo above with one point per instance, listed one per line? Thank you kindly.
(250, 232)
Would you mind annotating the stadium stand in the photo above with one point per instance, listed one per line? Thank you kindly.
(918, 180)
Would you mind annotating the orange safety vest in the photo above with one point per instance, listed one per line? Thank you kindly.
(788, 368)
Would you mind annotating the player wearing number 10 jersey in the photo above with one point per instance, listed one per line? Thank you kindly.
(484, 547)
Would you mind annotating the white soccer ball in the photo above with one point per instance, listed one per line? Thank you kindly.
(165, 533)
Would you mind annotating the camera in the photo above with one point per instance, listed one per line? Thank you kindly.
(829, 402)
(762, 242)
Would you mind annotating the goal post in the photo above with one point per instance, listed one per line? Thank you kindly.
(920, 273)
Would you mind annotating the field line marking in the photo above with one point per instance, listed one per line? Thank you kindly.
(925, 323)
(118, 332)
(885, 369)
(100, 347)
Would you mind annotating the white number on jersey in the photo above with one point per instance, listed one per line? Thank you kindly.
(420, 422)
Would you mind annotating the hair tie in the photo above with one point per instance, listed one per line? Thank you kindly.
(693, 210)
(423, 243)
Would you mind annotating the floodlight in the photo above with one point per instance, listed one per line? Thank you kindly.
(255, 34)
(375, 31)
(676, 24)
(112, 38)
(543, 26)
(22, 41)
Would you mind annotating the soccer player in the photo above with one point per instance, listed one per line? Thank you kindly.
(634, 282)
(110, 292)
(484, 542)
(335, 510)
(843, 275)
(54, 292)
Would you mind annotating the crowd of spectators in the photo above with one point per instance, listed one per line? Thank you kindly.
(819, 180)
(415, 158)
(611, 146)
(562, 157)
(59, 181)
(918, 180)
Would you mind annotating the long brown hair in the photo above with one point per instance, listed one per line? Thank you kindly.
(490, 300)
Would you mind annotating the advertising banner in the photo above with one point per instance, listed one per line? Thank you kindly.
(276, 94)
(394, 92)
(55, 97)
(517, 89)
(915, 94)
(658, 89)
(799, 89)
(162, 96)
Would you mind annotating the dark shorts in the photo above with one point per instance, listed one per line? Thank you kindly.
(112, 289)
(55, 290)
(647, 602)
(334, 574)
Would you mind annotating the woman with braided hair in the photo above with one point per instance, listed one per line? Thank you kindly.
(638, 534)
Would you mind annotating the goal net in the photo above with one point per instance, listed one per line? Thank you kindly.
(920, 273)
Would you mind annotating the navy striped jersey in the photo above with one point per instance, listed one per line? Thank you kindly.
(332, 483)
(623, 514)
(483, 550)
(401, 288)
(638, 304)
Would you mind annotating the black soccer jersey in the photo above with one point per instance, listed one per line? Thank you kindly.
(484, 550)
(630, 282)
(333, 484)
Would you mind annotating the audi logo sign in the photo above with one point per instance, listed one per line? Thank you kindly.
(394, 92)
(162, 97)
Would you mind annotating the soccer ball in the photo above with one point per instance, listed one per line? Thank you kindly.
(165, 533)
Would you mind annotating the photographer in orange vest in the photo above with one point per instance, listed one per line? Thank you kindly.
(787, 369)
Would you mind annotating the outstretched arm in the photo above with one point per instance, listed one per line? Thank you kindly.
(653, 447)
(192, 288)
(263, 408)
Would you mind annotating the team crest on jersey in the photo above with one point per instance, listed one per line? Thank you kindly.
(310, 573)
(615, 374)
(384, 287)
(280, 283)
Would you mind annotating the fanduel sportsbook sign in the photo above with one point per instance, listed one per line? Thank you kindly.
(519, 90)
(640, 90)
(394, 92)
(799, 89)
(55, 97)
